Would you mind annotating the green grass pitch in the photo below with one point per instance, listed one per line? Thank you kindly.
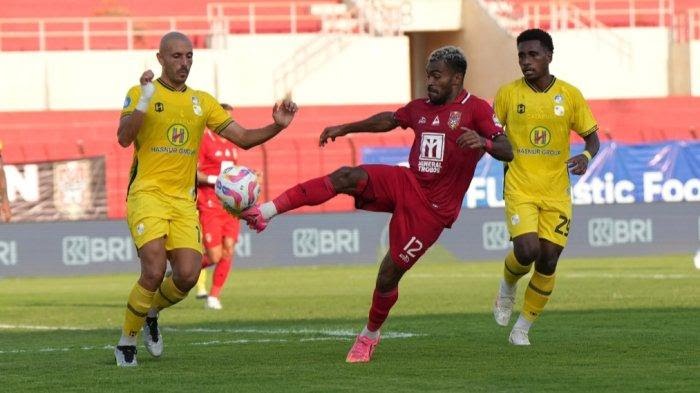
(613, 324)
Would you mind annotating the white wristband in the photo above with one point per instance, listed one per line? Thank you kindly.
(211, 179)
(142, 105)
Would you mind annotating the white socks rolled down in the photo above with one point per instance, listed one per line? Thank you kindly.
(369, 334)
(268, 210)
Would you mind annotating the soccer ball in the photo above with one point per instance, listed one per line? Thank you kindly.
(237, 188)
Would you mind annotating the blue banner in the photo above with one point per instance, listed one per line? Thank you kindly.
(619, 174)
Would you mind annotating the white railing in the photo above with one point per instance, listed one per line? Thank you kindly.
(554, 16)
(372, 17)
(691, 30)
(564, 14)
(118, 32)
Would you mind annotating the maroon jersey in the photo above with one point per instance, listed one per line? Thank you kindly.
(215, 154)
(443, 169)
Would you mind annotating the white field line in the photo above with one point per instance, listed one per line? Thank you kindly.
(643, 276)
(317, 335)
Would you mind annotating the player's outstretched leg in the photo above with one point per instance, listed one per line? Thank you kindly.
(310, 193)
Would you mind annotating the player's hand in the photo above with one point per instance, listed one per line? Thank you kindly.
(284, 113)
(470, 139)
(146, 77)
(577, 164)
(147, 91)
(330, 133)
(5, 211)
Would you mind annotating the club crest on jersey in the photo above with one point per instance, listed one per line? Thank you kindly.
(436, 121)
(159, 107)
(422, 120)
(453, 121)
(521, 108)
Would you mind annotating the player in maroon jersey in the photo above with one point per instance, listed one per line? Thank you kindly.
(219, 228)
(452, 130)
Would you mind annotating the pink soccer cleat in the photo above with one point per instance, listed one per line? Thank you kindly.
(254, 218)
(362, 350)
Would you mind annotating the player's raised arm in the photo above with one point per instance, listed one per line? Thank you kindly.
(129, 125)
(282, 114)
(381, 122)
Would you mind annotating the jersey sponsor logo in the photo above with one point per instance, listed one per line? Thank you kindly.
(540, 136)
(72, 184)
(178, 134)
(432, 146)
(521, 108)
(436, 121)
(159, 107)
(432, 150)
(453, 121)
(422, 120)
(495, 236)
(558, 99)
(127, 101)
(607, 231)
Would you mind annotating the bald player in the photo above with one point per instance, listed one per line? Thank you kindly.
(165, 120)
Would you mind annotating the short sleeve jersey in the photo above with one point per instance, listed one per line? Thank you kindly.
(443, 169)
(215, 155)
(538, 124)
(167, 144)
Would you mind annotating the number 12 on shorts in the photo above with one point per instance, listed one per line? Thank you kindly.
(411, 248)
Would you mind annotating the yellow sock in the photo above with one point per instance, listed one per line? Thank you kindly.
(137, 307)
(167, 294)
(202, 282)
(537, 295)
(512, 270)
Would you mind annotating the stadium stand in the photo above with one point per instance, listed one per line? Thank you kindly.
(572, 14)
(129, 24)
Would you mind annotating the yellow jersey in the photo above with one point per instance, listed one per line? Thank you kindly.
(538, 125)
(166, 148)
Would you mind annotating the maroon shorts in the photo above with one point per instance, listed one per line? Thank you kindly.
(216, 225)
(414, 227)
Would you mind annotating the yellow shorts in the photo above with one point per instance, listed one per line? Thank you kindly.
(151, 216)
(551, 220)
